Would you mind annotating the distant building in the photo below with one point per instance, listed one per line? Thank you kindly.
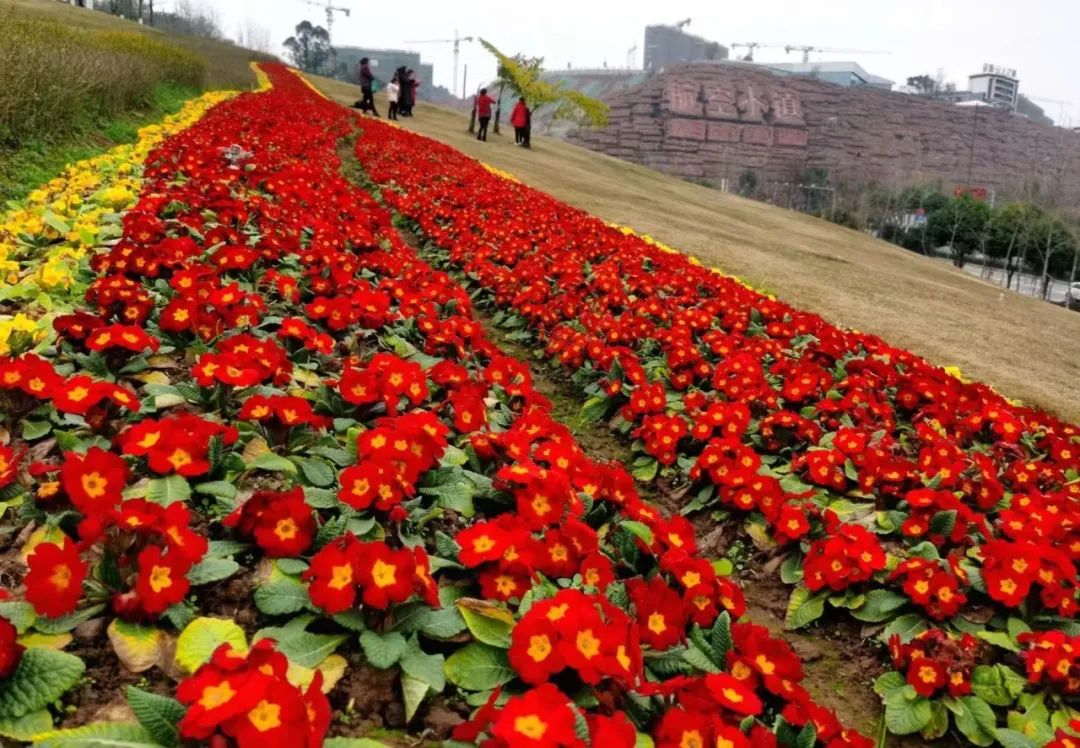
(840, 73)
(996, 85)
(383, 63)
(666, 46)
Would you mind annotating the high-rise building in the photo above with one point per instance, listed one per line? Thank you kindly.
(670, 45)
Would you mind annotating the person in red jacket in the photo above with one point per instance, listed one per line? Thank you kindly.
(519, 118)
(483, 113)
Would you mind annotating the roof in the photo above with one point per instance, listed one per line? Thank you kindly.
(810, 68)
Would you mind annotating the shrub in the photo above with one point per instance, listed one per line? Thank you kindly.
(56, 78)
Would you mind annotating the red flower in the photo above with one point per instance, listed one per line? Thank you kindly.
(9, 464)
(95, 481)
(332, 575)
(733, 694)
(538, 718)
(10, 650)
(385, 575)
(533, 649)
(926, 676)
(54, 582)
(162, 580)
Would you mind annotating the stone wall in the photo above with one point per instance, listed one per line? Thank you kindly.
(715, 121)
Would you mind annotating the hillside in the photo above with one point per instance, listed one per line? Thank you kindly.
(228, 64)
(1026, 348)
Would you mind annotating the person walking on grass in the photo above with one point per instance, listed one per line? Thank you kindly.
(483, 113)
(519, 119)
(367, 82)
(393, 90)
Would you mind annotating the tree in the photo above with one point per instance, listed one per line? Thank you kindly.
(924, 84)
(959, 225)
(523, 77)
(310, 48)
(252, 35)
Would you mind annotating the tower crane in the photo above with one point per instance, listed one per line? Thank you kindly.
(330, 10)
(456, 41)
(630, 57)
(1061, 104)
(750, 47)
(683, 23)
(806, 49)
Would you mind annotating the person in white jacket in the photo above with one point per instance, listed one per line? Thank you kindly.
(393, 89)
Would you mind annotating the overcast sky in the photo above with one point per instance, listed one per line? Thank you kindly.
(1039, 38)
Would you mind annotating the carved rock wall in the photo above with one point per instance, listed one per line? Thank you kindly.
(715, 121)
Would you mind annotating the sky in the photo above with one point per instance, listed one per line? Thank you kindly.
(1038, 38)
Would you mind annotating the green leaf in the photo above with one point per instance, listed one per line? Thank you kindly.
(301, 646)
(19, 614)
(479, 667)
(998, 639)
(907, 627)
(273, 463)
(293, 567)
(320, 498)
(281, 596)
(720, 636)
(42, 676)
(699, 659)
(997, 684)
(221, 489)
(645, 470)
(456, 495)
(202, 636)
(904, 716)
(35, 429)
(353, 743)
(880, 605)
(1014, 739)
(27, 726)
(638, 529)
(159, 715)
(382, 650)
(488, 622)
(939, 722)
(212, 570)
(594, 409)
(416, 663)
(889, 682)
(413, 691)
(166, 491)
(317, 472)
(975, 719)
(225, 548)
(99, 735)
(803, 608)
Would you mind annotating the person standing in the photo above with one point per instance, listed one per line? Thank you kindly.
(483, 113)
(412, 84)
(393, 90)
(519, 118)
(367, 82)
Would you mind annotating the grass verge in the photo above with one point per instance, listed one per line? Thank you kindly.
(41, 159)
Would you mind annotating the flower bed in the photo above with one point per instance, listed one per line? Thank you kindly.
(928, 507)
(273, 464)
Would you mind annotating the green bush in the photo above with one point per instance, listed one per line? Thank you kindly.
(56, 79)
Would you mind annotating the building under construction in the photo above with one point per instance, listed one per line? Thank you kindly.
(666, 46)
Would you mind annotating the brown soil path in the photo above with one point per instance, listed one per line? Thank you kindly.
(1026, 348)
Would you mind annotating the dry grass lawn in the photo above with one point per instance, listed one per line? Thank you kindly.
(1026, 348)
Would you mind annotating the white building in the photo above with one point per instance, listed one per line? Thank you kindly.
(996, 85)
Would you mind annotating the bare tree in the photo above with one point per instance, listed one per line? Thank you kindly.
(252, 35)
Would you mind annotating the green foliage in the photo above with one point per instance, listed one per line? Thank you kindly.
(523, 76)
(42, 676)
(309, 48)
(57, 79)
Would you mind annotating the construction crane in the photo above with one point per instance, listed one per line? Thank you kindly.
(806, 49)
(330, 10)
(630, 57)
(750, 47)
(683, 23)
(456, 41)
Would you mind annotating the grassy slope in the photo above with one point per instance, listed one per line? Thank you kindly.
(1026, 348)
(227, 63)
(38, 162)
